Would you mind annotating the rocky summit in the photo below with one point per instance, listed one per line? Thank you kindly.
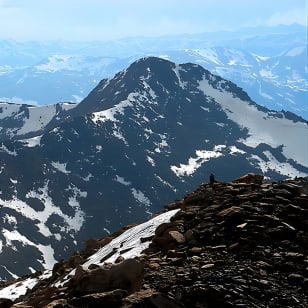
(242, 243)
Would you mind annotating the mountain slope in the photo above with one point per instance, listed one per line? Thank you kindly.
(241, 243)
(25, 121)
(138, 141)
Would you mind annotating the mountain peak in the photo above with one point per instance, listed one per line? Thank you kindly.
(138, 141)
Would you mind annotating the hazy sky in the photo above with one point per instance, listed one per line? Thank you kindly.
(113, 19)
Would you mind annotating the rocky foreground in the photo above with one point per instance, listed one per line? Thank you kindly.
(237, 244)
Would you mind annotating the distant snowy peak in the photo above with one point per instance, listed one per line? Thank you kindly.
(19, 121)
(277, 81)
(60, 62)
(74, 62)
(270, 65)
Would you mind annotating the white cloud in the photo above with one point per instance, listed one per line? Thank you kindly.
(287, 18)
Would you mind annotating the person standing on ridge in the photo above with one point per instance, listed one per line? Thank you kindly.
(212, 179)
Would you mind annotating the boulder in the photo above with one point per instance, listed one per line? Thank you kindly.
(250, 178)
(126, 275)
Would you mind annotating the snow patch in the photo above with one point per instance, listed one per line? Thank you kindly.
(122, 181)
(98, 148)
(47, 251)
(72, 223)
(3, 148)
(279, 131)
(88, 177)
(20, 288)
(32, 142)
(140, 197)
(210, 54)
(195, 163)
(128, 244)
(234, 149)
(109, 114)
(161, 145)
(177, 70)
(272, 164)
(151, 160)
(60, 167)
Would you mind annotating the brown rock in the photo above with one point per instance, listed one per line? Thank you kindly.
(126, 275)
(162, 300)
(162, 242)
(231, 211)
(5, 303)
(177, 236)
(296, 278)
(104, 299)
(164, 228)
(250, 178)
(196, 249)
(59, 303)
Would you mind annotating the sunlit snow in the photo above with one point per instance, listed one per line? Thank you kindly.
(32, 142)
(194, 163)
(46, 250)
(140, 197)
(40, 219)
(73, 223)
(272, 164)
(210, 54)
(3, 148)
(60, 167)
(234, 149)
(17, 289)
(127, 245)
(36, 119)
(122, 181)
(109, 114)
(177, 73)
(276, 132)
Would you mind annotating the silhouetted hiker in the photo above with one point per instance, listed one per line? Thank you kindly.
(212, 179)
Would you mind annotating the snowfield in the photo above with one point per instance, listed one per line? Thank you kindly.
(128, 245)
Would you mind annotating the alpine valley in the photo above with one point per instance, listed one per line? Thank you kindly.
(138, 141)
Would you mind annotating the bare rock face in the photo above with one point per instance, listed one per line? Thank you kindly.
(5, 303)
(126, 275)
(237, 244)
(250, 178)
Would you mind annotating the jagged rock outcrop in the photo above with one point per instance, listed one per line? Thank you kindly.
(231, 244)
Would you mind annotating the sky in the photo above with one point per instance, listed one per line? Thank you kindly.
(87, 20)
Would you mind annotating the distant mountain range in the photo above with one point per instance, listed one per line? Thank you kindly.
(139, 140)
(269, 63)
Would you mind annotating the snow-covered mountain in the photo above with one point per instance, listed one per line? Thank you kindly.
(139, 140)
(25, 121)
(269, 63)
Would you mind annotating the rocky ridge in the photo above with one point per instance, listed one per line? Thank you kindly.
(237, 244)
